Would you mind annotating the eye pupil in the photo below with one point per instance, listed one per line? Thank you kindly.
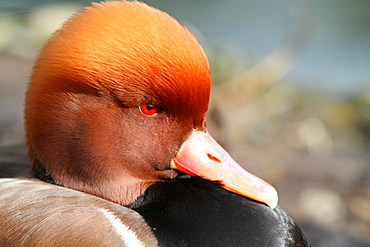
(149, 109)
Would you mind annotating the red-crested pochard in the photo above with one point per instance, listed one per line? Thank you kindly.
(115, 127)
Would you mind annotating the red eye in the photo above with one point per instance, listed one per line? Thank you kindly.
(149, 109)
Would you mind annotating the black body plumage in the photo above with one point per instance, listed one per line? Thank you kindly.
(198, 212)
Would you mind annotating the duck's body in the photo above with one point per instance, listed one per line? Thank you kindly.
(115, 111)
(189, 211)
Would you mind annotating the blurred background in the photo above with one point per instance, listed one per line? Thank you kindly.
(290, 100)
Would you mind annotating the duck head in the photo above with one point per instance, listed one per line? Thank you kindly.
(117, 101)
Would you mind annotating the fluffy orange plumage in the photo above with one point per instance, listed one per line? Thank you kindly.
(105, 60)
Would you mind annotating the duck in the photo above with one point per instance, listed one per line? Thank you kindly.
(120, 154)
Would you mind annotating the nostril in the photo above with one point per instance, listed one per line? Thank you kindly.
(211, 157)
